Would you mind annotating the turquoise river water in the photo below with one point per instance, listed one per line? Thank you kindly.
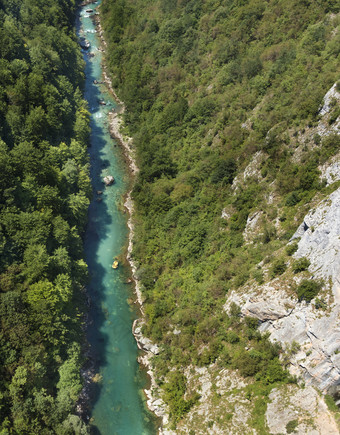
(118, 405)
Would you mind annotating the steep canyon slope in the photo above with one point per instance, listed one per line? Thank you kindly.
(234, 112)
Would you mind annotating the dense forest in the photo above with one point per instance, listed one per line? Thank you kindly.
(208, 85)
(44, 196)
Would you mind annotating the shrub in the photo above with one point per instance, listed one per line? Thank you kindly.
(224, 172)
(232, 337)
(279, 266)
(317, 139)
(235, 311)
(291, 426)
(301, 264)
(308, 289)
(292, 199)
(291, 248)
(251, 322)
(320, 304)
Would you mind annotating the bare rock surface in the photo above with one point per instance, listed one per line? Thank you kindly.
(108, 180)
(304, 406)
(317, 331)
(229, 415)
(320, 241)
(251, 225)
(330, 171)
(332, 94)
(331, 99)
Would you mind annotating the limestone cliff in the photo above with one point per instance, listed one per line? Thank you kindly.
(311, 329)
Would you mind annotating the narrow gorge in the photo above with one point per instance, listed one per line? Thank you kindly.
(116, 397)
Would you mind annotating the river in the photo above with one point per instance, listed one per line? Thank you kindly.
(118, 405)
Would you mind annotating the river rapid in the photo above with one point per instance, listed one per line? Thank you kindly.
(117, 400)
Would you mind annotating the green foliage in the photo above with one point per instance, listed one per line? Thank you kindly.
(301, 264)
(174, 391)
(278, 267)
(44, 194)
(308, 289)
(206, 86)
(292, 199)
(291, 426)
(291, 248)
(224, 172)
(330, 402)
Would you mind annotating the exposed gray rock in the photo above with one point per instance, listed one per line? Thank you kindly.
(287, 320)
(252, 223)
(271, 310)
(320, 240)
(143, 342)
(108, 180)
(324, 128)
(327, 100)
(304, 406)
(330, 171)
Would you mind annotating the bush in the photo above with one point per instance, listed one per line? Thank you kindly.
(290, 249)
(224, 172)
(251, 322)
(291, 426)
(292, 199)
(301, 264)
(279, 266)
(232, 337)
(308, 289)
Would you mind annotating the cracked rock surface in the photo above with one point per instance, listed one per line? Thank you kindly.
(317, 331)
(303, 406)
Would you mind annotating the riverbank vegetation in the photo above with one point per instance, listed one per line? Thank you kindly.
(211, 86)
(44, 196)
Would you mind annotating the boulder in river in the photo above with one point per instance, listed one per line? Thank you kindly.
(84, 43)
(108, 180)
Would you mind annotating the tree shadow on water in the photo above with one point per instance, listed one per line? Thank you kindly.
(98, 229)
(109, 322)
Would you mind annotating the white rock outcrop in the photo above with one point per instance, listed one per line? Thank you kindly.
(305, 407)
(320, 241)
(108, 180)
(331, 170)
(317, 331)
(331, 99)
(332, 94)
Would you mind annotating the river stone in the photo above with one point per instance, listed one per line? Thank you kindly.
(108, 180)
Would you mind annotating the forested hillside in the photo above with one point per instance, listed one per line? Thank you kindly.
(44, 195)
(210, 86)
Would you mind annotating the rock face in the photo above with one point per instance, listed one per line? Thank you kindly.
(317, 331)
(320, 241)
(331, 95)
(252, 222)
(302, 406)
(331, 99)
(230, 415)
(143, 343)
(331, 171)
